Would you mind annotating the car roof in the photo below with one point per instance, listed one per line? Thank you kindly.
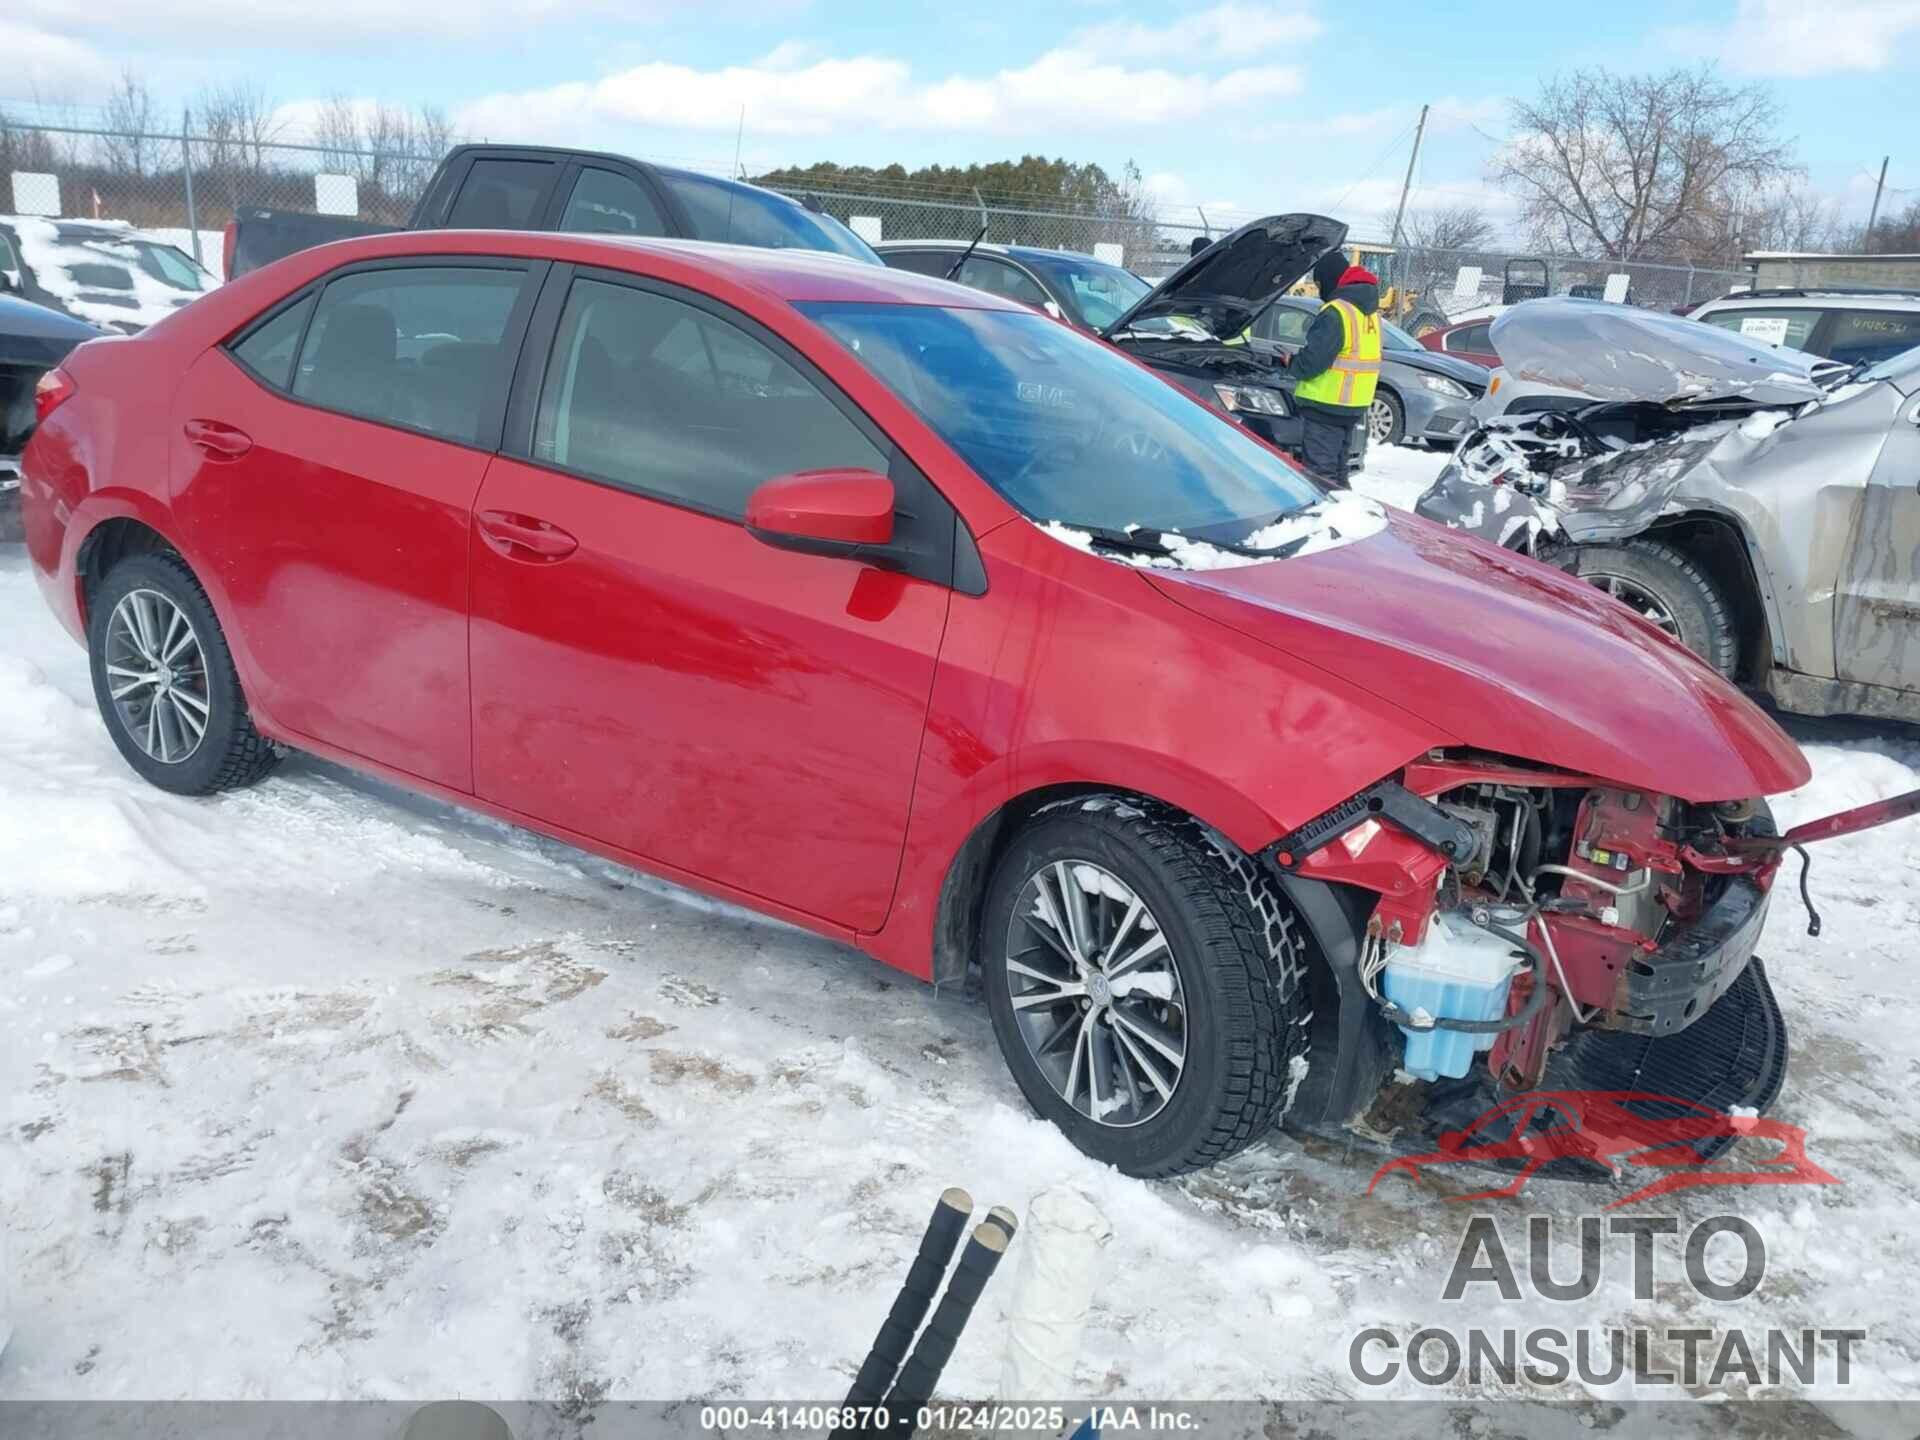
(1812, 298)
(792, 275)
(1017, 252)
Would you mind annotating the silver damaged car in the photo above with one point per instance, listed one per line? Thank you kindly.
(1761, 505)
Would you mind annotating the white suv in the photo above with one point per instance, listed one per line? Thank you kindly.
(1851, 326)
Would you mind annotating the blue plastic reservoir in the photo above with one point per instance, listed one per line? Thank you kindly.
(1458, 972)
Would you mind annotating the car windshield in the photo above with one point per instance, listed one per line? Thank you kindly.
(106, 261)
(1096, 294)
(1067, 429)
(1395, 338)
(742, 215)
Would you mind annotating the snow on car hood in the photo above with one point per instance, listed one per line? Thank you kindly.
(1618, 352)
(1476, 642)
(1234, 279)
(1341, 518)
(61, 267)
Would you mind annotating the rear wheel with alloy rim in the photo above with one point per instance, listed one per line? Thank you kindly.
(1143, 980)
(165, 680)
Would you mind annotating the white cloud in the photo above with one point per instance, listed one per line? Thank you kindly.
(1223, 32)
(43, 66)
(338, 23)
(1800, 37)
(1064, 91)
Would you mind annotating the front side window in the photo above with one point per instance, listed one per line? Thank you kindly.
(421, 347)
(996, 277)
(738, 214)
(663, 397)
(1066, 428)
(604, 203)
(1478, 339)
(501, 195)
(1286, 324)
(1791, 328)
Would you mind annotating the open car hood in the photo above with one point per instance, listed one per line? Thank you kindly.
(1231, 281)
(1479, 642)
(1619, 353)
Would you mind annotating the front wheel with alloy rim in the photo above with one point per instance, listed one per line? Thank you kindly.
(1386, 420)
(165, 681)
(1144, 982)
(1664, 586)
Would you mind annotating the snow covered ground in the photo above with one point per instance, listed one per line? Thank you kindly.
(319, 1089)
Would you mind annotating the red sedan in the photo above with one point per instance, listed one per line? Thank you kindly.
(1469, 340)
(877, 604)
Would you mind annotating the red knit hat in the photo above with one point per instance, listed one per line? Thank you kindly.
(1358, 275)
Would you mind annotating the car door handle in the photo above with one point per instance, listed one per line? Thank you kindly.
(223, 442)
(524, 537)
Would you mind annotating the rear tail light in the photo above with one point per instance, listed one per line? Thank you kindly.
(54, 388)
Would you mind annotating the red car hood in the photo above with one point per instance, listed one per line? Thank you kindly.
(1507, 655)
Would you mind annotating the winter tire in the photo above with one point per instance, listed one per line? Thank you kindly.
(1144, 980)
(1386, 419)
(1664, 586)
(165, 681)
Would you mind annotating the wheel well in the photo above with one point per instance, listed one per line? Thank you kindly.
(106, 546)
(1717, 546)
(964, 892)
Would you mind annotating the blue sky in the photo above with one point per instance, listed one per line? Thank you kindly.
(1240, 106)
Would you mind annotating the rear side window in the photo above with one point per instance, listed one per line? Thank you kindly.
(420, 347)
(1476, 338)
(663, 397)
(604, 203)
(921, 262)
(501, 195)
(1870, 336)
(268, 349)
(1792, 328)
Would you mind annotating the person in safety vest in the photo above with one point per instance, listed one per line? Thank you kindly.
(1336, 370)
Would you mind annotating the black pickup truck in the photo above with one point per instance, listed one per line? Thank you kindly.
(526, 187)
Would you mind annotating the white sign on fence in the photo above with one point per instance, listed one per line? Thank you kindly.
(35, 193)
(1616, 291)
(1467, 282)
(867, 227)
(336, 194)
(1109, 253)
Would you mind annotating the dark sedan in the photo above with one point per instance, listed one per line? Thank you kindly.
(33, 339)
(1421, 396)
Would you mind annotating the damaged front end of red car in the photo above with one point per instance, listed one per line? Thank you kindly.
(1511, 926)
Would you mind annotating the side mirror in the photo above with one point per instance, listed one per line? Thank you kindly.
(823, 512)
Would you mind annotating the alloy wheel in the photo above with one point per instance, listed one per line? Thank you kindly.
(1096, 993)
(1379, 421)
(1637, 598)
(157, 676)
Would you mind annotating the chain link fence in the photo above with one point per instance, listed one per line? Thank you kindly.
(185, 187)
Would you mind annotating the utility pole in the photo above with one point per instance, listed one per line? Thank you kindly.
(1407, 184)
(1874, 214)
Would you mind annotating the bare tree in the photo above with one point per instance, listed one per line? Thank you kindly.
(131, 148)
(1448, 227)
(238, 120)
(1785, 217)
(1641, 166)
